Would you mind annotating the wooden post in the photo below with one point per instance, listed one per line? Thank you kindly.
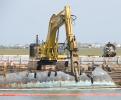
(117, 60)
(4, 69)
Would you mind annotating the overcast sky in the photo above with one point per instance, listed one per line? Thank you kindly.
(97, 20)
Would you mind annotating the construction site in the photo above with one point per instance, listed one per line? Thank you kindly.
(53, 65)
(47, 66)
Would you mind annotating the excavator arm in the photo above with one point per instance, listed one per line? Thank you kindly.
(72, 44)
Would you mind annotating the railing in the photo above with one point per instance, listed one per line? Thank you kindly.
(24, 59)
(100, 60)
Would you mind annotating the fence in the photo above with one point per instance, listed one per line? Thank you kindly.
(24, 59)
(17, 59)
(100, 60)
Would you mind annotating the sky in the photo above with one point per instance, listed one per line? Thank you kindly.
(98, 21)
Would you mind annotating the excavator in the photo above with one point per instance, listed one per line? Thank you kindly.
(109, 50)
(46, 54)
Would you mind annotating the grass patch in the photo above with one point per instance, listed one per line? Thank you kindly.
(82, 51)
(14, 51)
(90, 51)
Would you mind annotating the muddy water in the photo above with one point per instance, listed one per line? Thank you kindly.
(91, 94)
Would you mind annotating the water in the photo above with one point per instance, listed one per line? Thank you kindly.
(102, 77)
(86, 94)
(84, 90)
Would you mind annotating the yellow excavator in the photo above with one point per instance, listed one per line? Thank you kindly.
(46, 54)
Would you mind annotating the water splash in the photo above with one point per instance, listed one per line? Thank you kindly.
(101, 77)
